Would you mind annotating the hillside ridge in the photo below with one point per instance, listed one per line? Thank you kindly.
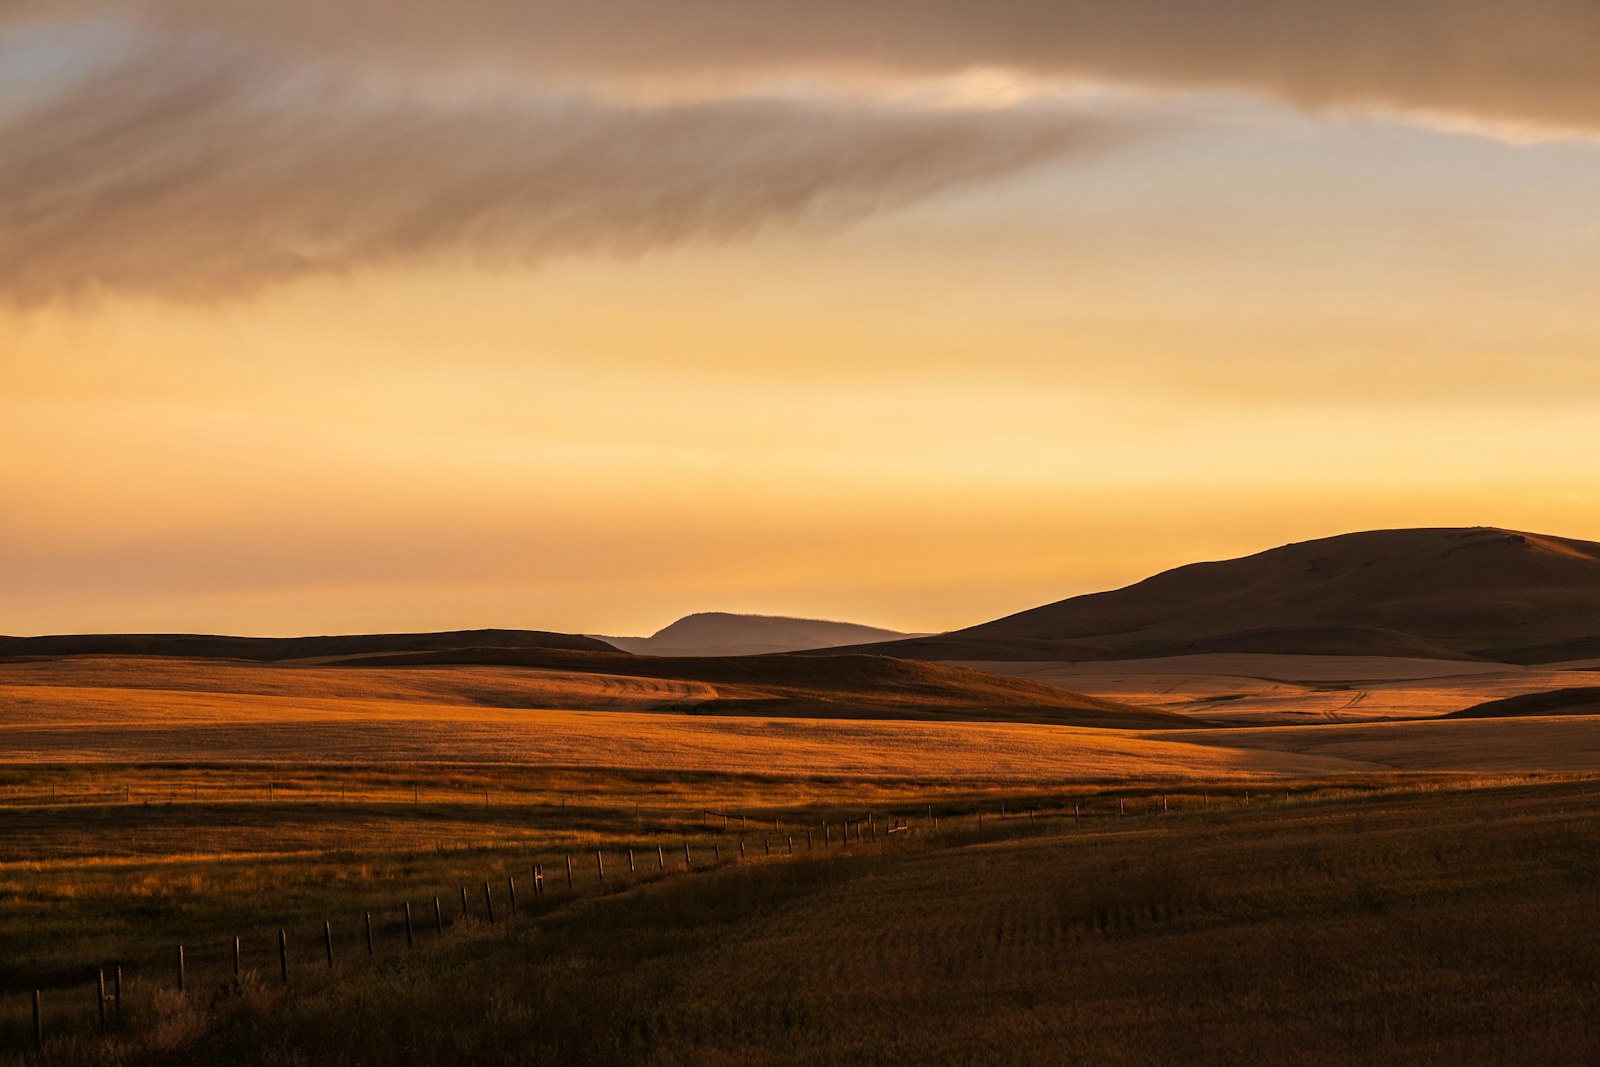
(1479, 593)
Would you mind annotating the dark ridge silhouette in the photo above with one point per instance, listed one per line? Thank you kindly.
(823, 686)
(721, 633)
(268, 649)
(1479, 593)
(1578, 700)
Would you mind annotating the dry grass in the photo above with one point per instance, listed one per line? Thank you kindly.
(56, 723)
(1450, 926)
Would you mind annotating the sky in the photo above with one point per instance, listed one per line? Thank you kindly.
(344, 315)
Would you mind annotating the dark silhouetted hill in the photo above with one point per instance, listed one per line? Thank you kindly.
(1579, 700)
(266, 649)
(1479, 593)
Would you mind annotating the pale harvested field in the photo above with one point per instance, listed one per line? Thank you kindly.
(1272, 689)
(1557, 744)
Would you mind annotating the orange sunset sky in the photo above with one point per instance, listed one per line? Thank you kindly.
(423, 315)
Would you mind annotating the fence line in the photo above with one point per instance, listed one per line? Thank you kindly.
(896, 826)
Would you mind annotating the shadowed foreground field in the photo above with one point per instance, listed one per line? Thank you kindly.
(1441, 926)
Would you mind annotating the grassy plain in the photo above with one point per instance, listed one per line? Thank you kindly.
(1341, 893)
(1444, 924)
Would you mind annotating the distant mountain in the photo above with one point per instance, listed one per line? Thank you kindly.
(718, 633)
(1479, 593)
(208, 646)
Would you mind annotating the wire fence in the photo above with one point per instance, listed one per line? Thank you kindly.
(114, 996)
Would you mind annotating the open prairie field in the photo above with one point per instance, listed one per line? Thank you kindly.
(135, 710)
(545, 679)
(1447, 924)
(149, 804)
(143, 712)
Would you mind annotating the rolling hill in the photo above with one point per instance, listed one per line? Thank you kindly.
(1576, 700)
(817, 686)
(719, 633)
(269, 649)
(1462, 594)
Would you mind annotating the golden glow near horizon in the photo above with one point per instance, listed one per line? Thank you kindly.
(912, 364)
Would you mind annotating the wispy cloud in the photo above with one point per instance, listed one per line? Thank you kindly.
(1532, 61)
(198, 172)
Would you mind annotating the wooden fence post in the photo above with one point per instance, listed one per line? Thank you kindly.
(38, 1024)
(369, 934)
(741, 846)
(688, 864)
(465, 914)
(538, 879)
(438, 915)
(283, 955)
(181, 983)
(791, 844)
(661, 858)
(117, 992)
(327, 939)
(236, 957)
(1074, 815)
(716, 853)
(826, 839)
(569, 870)
(630, 861)
(766, 845)
(410, 942)
(1120, 809)
(488, 902)
(100, 995)
(599, 866)
(511, 892)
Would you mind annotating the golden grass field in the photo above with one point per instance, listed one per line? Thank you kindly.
(148, 802)
(147, 710)
(1444, 924)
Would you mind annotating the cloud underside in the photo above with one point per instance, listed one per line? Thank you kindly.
(206, 179)
(1532, 60)
(227, 157)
